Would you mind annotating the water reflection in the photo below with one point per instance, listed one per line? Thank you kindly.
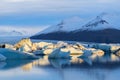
(59, 63)
(85, 68)
(13, 64)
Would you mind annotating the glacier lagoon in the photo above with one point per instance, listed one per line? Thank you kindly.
(105, 68)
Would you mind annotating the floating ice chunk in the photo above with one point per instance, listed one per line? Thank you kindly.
(48, 51)
(117, 52)
(72, 50)
(12, 54)
(61, 44)
(38, 52)
(98, 52)
(7, 46)
(107, 47)
(92, 53)
(25, 48)
(42, 44)
(87, 53)
(103, 47)
(57, 53)
(23, 42)
(79, 46)
(115, 49)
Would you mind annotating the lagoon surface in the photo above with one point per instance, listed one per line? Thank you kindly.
(58, 69)
(105, 68)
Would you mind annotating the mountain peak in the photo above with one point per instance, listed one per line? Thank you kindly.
(97, 23)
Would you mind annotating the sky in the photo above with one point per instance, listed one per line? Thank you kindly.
(36, 15)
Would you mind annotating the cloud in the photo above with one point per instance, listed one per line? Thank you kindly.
(41, 12)
(43, 6)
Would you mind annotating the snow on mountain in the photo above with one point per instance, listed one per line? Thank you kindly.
(66, 25)
(96, 24)
(19, 30)
(101, 22)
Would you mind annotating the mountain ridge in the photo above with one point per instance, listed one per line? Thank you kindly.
(98, 29)
(11, 33)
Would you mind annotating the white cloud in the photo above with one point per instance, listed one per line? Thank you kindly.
(37, 6)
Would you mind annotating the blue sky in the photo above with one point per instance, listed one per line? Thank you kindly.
(38, 14)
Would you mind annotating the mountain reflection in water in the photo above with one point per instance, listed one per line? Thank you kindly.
(102, 68)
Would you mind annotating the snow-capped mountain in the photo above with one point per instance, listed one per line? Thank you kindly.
(101, 22)
(12, 33)
(103, 28)
(66, 25)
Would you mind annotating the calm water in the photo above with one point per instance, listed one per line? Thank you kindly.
(105, 68)
(59, 69)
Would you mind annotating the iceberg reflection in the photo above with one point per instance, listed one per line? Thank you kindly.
(101, 68)
(13, 64)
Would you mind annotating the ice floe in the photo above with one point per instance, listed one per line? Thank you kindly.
(12, 54)
(28, 49)
(57, 53)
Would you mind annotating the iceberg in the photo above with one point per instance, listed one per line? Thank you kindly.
(57, 54)
(79, 46)
(87, 53)
(109, 48)
(7, 46)
(98, 52)
(103, 47)
(25, 48)
(23, 42)
(12, 54)
(42, 44)
(38, 52)
(72, 50)
(61, 44)
(92, 54)
(117, 52)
